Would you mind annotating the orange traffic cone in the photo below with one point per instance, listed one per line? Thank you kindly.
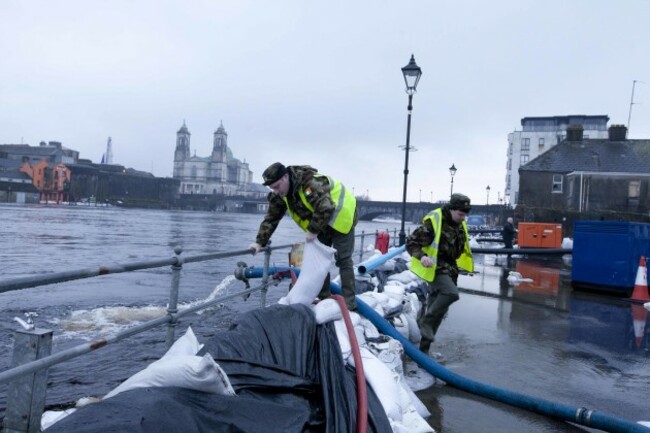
(640, 292)
(639, 318)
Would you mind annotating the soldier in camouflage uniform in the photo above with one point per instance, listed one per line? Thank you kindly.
(437, 257)
(322, 207)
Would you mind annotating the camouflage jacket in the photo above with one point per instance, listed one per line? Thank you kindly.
(316, 191)
(452, 243)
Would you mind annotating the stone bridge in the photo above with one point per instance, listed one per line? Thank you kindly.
(368, 210)
(415, 211)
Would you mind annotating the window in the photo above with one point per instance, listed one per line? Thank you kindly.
(540, 146)
(193, 172)
(634, 189)
(557, 183)
(525, 144)
(524, 158)
(509, 165)
(541, 141)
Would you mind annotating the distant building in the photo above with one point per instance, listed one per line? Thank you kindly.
(52, 173)
(538, 135)
(608, 178)
(52, 152)
(219, 173)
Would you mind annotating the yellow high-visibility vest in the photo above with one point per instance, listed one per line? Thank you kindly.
(465, 260)
(345, 206)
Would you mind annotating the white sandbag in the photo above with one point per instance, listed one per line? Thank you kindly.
(187, 344)
(327, 311)
(401, 325)
(50, 417)
(369, 330)
(344, 341)
(316, 262)
(200, 373)
(382, 298)
(414, 334)
(368, 299)
(394, 288)
(414, 423)
(414, 401)
(404, 277)
(382, 381)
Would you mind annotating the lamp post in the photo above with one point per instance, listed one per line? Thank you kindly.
(487, 190)
(452, 171)
(412, 74)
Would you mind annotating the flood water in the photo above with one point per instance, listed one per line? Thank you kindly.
(540, 337)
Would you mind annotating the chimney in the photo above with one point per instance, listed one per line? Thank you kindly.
(617, 132)
(574, 132)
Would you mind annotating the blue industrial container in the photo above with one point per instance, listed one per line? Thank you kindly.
(606, 254)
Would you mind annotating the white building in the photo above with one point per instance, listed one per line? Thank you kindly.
(539, 134)
(219, 173)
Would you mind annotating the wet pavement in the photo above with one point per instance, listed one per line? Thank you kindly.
(541, 338)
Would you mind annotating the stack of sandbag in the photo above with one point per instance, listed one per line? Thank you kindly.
(382, 364)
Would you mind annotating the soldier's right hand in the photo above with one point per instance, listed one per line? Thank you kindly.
(426, 261)
(255, 248)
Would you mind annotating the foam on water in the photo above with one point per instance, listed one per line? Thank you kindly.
(88, 324)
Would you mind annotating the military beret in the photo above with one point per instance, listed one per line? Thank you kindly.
(273, 173)
(460, 202)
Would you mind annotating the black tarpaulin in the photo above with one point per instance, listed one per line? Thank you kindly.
(288, 374)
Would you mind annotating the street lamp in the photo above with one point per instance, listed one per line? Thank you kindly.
(412, 74)
(452, 171)
(487, 200)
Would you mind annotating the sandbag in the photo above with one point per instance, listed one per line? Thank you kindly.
(316, 263)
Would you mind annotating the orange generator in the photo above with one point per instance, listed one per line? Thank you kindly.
(539, 235)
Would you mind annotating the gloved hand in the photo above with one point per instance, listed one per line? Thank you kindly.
(426, 261)
(255, 248)
(311, 236)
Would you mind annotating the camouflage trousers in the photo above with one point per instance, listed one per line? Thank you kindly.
(442, 293)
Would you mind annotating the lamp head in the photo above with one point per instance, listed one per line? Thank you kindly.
(412, 74)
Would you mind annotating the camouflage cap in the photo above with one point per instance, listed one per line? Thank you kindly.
(273, 173)
(460, 202)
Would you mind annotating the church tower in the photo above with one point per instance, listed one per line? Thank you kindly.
(182, 152)
(220, 145)
(182, 144)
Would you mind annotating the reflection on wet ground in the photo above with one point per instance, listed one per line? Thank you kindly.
(532, 333)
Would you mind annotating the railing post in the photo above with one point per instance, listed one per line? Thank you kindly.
(26, 395)
(172, 308)
(265, 275)
(363, 235)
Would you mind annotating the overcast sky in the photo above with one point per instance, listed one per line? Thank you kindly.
(319, 82)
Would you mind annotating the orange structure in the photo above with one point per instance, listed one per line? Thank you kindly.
(52, 182)
(640, 292)
(539, 235)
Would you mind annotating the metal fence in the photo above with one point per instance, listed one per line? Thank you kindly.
(27, 378)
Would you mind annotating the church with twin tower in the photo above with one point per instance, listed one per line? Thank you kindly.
(219, 173)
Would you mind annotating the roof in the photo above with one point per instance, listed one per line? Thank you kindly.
(629, 156)
(26, 149)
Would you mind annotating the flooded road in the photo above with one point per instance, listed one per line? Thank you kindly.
(541, 338)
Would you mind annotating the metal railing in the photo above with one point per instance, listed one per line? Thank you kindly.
(27, 378)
